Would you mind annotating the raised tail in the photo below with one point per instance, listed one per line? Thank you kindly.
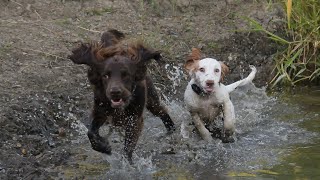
(242, 82)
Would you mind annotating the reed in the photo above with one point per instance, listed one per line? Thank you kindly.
(300, 61)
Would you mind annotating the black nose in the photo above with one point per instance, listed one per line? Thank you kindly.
(209, 83)
(115, 91)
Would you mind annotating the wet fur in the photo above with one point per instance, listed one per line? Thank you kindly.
(207, 74)
(118, 70)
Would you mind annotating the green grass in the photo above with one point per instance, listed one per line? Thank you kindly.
(63, 21)
(300, 61)
(5, 48)
(100, 12)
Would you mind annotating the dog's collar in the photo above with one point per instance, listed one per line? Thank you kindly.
(198, 90)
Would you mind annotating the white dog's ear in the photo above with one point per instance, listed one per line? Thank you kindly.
(191, 63)
(224, 71)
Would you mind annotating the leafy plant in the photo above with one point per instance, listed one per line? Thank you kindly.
(300, 61)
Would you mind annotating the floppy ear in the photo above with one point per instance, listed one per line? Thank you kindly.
(83, 54)
(111, 37)
(88, 53)
(189, 64)
(146, 54)
(224, 71)
(142, 56)
(191, 60)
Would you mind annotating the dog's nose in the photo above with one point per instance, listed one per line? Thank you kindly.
(209, 83)
(115, 91)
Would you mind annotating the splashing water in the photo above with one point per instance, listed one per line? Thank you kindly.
(174, 74)
(262, 140)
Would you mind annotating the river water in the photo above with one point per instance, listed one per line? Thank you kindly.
(277, 138)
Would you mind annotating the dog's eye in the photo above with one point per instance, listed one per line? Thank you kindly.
(216, 70)
(107, 75)
(202, 70)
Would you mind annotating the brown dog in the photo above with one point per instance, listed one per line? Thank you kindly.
(118, 73)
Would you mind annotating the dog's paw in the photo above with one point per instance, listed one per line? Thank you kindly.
(216, 135)
(170, 126)
(171, 129)
(101, 147)
(215, 132)
(228, 136)
(99, 144)
(227, 139)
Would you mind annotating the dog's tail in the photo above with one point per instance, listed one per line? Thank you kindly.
(233, 86)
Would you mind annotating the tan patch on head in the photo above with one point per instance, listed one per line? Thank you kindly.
(97, 49)
(133, 50)
(224, 70)
(130, 50)
(195, 54)
(192, 62)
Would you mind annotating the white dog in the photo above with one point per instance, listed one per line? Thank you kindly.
(206, 97)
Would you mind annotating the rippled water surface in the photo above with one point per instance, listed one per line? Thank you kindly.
(277, 138)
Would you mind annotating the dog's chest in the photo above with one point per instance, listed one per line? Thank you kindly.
(119, 118)
(211, 101)
(206, 107)
(209, 107)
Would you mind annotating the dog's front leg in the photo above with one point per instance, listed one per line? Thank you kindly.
(229, 122)
(99, 116)
(157, 108)
(133, 130)
(160, 111)
(204, 132)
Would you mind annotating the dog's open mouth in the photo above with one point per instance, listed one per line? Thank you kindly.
(117, 102)
(209, 89)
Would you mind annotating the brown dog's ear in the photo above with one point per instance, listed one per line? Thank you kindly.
(82, 54)
(111, 37)
(142, 55)
(224, 71)
(86, 53)
(146, 54)
(194, 56)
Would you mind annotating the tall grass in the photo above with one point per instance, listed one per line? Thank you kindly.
(300, 61)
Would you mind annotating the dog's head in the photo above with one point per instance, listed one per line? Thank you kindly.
(207, 72)
(115, 66)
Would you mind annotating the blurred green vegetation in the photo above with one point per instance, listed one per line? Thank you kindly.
(299, 62)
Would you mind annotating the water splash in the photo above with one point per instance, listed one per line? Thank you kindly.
(121, 168)
(174, 74)
(262, 138)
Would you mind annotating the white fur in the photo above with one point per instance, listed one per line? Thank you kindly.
(208, 107)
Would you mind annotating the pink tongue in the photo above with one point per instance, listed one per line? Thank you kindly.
(209, 89)
(116, 103)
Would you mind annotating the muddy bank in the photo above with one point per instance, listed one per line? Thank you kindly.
(43, 96)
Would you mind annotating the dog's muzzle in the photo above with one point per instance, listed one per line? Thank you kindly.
(198, 90)
(118, 97)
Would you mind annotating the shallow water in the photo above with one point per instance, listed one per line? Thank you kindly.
(277, 138)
